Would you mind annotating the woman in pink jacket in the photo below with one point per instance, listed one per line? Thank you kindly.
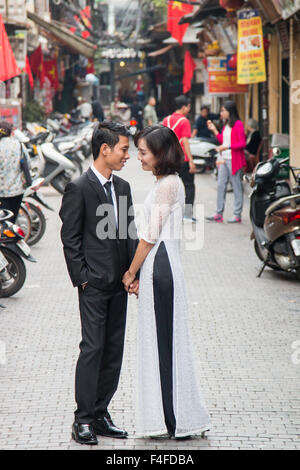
(230, 162)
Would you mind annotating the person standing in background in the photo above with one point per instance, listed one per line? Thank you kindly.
(253, 145)
(200, 128)
(180, 125)
(85, 109)
(98, 112)
(11, 173)
(231, 161)
(150, 116)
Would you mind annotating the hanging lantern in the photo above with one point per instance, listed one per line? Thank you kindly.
(233, 62)
(231, 6)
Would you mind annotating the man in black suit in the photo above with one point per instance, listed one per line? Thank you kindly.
(99, 239)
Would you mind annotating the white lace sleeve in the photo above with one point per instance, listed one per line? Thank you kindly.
(165, 198)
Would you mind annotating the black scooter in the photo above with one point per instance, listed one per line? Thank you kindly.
(13, 249)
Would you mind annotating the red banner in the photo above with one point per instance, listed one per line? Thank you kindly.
(8, 64)
(36, 61)
(176, 10)
(51, 72)
(27, 70)
(189, 69)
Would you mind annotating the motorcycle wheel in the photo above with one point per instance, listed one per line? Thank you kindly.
(259, 255)
(257, 251)
(17, 270)
(60, 182)
(24, 222)
(38, 224)
(200, 169)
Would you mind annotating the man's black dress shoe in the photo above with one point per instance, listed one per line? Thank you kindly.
(105, 427)
(84, 434)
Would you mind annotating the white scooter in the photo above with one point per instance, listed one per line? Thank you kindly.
(204, 153)
(46, 161)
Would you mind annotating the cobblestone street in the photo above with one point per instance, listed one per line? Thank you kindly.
(243, 331)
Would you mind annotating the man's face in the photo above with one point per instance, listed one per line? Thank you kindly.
(204, 113)
(117, 157)
(186, 109)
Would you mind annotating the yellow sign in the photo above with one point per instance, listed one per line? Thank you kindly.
(251, 52)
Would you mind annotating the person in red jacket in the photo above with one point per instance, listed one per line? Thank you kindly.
(231, 161)
(180, 125)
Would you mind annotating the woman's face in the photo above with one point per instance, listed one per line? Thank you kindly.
(147, 158)
(225, 115)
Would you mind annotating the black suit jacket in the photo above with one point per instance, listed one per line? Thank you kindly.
(100, 261)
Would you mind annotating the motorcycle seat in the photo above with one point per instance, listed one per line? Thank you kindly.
(285, 201)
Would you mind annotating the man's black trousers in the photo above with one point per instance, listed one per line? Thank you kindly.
(103, 321)
(189, 185)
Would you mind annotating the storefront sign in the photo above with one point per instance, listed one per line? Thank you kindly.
(11, 112)
(222, 79)
(119, 53)
(251, 53)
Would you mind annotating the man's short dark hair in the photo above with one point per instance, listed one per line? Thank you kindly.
(164, 145)
(181, 101)
(107, 132)
(205, 107)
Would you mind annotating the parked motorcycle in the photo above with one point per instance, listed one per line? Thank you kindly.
(31, 202)
(275, 217)
(204, 153)
(49, 163)
(12, 248)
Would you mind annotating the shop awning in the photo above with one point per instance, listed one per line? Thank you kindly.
(160, 51)
(64, 36)
(268, 10)
(190, 37)
(208, 8)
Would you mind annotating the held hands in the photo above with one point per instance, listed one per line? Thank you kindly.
(134, 288)
(130, 284)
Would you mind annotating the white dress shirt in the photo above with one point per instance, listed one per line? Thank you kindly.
(103, 180)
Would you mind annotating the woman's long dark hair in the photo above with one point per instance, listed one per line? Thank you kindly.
(230, 106)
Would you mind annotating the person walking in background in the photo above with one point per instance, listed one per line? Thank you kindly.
(150, 116)
(98, 112)
(11, 173)
(85, 109)
(137, 113)
(114, 107)
(200, 128)
(231, 161)
(253, 145)
(180, 125)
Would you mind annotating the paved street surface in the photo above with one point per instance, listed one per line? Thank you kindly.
(243, 330)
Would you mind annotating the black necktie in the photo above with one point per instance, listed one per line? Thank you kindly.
(109, 198)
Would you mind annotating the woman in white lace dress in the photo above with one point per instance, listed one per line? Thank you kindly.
(169, 399)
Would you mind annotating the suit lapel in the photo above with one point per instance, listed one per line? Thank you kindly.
(97, 186)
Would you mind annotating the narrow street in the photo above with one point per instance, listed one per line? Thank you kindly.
(243, 329)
